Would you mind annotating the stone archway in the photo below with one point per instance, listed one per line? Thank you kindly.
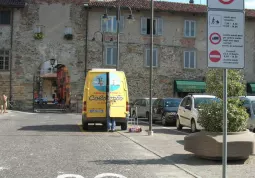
(51, 88)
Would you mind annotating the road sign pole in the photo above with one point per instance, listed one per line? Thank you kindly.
(225, 125)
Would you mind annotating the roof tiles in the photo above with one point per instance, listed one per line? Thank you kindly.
(12, 3)
(159, 5)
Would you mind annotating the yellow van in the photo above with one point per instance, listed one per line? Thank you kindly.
(103, 85)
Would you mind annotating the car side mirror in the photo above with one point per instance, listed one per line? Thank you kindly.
(188, 107)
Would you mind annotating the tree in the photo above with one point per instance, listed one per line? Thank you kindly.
(214, 83)
(211, 114)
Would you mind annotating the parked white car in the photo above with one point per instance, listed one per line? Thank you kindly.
(188, 111)
(142, 106)
(249, 104)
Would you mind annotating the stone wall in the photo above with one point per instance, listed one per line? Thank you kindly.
(29, 54)
(171, 46)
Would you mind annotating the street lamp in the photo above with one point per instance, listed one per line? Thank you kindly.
(130, 18)
(102, 39)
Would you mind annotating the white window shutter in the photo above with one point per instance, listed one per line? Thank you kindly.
(143, 25)
(148, 56)
(160, 26)
(192, 28)
(103, 25)
(121, 23)
(155, 57)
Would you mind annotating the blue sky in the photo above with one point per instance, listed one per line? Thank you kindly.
(249, 4)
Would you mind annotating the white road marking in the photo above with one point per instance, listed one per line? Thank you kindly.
(110, 174)
(3, 168)
(70, 176)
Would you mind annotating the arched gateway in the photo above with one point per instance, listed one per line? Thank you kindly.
(51, 87)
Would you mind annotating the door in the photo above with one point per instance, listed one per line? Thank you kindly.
(143, 108)
(187, 114)
(155, 108)
(117, 95)
(136, 107)
(181, 111)
(95, 90)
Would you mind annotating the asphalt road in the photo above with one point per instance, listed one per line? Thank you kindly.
(53, 146)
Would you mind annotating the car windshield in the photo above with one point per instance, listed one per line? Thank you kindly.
(199, 101)
(172, 102)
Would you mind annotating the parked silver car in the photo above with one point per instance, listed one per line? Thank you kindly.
(141, 108)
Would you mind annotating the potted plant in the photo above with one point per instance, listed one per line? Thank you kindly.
(38, 36)
(208, 142)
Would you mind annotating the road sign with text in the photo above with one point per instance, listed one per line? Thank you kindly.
(225, 35)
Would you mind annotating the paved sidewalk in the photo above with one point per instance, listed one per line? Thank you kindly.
(168, 144)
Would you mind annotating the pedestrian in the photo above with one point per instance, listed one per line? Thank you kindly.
(1, 103)
(5, 103)
(111, 123)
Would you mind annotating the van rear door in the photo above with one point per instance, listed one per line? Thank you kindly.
(118, 95)
(96, 95)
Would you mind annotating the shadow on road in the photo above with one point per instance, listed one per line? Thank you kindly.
(62, 128)
(51, 128)
(185, 159)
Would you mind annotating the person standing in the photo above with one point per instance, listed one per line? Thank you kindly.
(5, 103)
(1, 103)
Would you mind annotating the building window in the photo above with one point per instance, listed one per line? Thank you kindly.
(146, 26)
(111, 57)
(4, 59)
(110, 25)
(148, 57)
(189, 28)
(189, 59)
(5, 17)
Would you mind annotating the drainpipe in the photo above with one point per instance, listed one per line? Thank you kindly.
(12, 13)
(86, 39)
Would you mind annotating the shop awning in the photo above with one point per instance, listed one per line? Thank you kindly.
(189, 86)
(250, 87)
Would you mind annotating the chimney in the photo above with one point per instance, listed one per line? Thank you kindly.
(191, 1)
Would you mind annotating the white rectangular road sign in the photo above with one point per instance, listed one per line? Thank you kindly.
(225, 39)
(226, 4)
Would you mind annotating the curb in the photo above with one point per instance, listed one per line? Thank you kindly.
(158, 155)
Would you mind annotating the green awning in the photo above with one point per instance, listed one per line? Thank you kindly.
(189, 86)
(250, 87)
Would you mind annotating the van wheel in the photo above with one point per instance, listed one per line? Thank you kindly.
(85, 126)
(124, 126)
(193, 126)
(178, 124)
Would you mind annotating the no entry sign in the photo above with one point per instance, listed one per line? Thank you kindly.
(226, 1)
(215, 56)
(226, 4)
(215, 38)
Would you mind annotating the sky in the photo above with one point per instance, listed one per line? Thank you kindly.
(249, 4)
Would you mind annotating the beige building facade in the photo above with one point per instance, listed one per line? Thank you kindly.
(179, 54)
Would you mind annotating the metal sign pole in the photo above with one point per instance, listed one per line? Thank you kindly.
(151, 63)
(225, 124)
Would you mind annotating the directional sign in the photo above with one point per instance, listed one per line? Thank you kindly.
(226, 38)
(215, 38)
(215, 56)
(226, 4)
